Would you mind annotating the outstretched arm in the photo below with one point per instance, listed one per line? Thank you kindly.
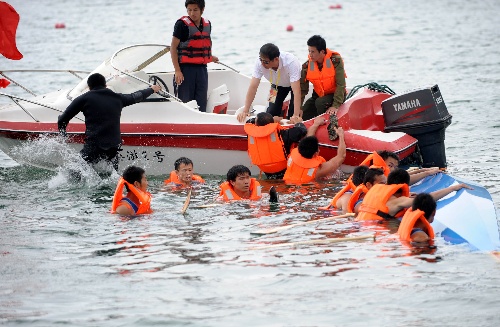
(318, 121)
(71, 111)
(252, 90)
(333, 164)
(436, 195)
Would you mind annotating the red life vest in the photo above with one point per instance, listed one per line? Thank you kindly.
(144, 197)
(197, 49)
(300, 169)
(375, 159)
(408, 223)
(374, 205)
(323, 81)
(228, 193)
(174, 178)
(358, 192)
(265, 147)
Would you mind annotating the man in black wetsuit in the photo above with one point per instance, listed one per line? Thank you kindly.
(102, 109)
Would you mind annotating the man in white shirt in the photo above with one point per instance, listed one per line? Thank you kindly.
(283, 71)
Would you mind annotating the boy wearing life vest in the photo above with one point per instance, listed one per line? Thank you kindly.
(373, 176)
(138, 199)
(239, 185)
(306, 165)
(269, 143)
(416, 223)
(191, 50)
(391, 201)
(342, 197)
(183, 175)
(325, 70)
(282, 70)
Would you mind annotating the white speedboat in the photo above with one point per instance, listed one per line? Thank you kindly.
(159, 130)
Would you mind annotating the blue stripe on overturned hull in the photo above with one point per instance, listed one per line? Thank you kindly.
(466, 215)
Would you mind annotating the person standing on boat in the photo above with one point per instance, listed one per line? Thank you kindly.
(102, 109)
(269, 143)
(325, 70)
(191, 50)
(282, 70)
(306, 165)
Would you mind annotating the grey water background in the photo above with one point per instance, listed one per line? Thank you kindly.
(65, 260)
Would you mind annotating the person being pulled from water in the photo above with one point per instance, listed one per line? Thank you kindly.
(269, 143)
(191, 50)
(102, 109)
(138, 199)
(325, 70)
(306, 165)
(282, 70)
(183, 174)
(386, 201)
(239, 185)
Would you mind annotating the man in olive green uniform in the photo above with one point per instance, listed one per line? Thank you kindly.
(325, 70)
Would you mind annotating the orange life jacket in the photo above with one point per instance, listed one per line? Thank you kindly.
(408, 223)
(174, 178)
(265, 147)
(228, 193)
(144, 198)
(197, 49)
(374, 205)
(323, 81)
(300, 169)
(349, 186)
(375, 159)
(360, 190)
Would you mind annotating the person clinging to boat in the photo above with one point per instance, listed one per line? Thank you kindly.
(391, 200)
(191, 51)
(269, 143)
(102, 109)
(325, 70)
(373, 176)
(306, 165)
(415, 225)
(183, 174)
(137, 200)
(282, 70)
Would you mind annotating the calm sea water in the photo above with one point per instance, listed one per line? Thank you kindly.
(65, 260)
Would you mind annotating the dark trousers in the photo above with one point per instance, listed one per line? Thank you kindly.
(275, 108)
(194, 86)
(93, 154)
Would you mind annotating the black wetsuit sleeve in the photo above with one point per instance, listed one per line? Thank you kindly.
(136, 97)
(71, 111)
(293, 135)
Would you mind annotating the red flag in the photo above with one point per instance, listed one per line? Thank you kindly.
(9, 19)
(4, 82)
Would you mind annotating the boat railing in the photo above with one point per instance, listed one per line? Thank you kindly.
(10, 79)
(16, 100)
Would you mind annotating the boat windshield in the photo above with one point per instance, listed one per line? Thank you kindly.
(126, 62)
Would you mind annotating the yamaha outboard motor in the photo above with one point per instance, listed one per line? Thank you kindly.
(422, 114)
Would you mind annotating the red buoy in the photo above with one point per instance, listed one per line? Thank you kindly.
(60, 25)
(336, 6)
(289, 28)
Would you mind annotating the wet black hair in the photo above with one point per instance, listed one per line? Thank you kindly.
(358, 174)
(398, 176)
(384, 154)
(182, 160)
(426, 203)
(269, 51)
(96, 80)
(308, 146)
(200, 3)
(264, 118)
(318, 42)
(133, 174)
(236, 171)
(371, 174)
